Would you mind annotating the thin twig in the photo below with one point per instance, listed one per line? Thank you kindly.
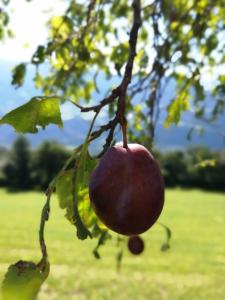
(105, 101)
(44, 218)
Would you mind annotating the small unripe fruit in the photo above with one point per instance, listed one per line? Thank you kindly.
(127, 189)
(136, 245)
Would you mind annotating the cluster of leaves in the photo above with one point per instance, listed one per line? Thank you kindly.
(179, 41)
(71, 185)
(185, 45)
(71, 190)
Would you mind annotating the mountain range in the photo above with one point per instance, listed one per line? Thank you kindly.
(75, 126)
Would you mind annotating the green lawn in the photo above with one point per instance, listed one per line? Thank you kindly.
(194, 268)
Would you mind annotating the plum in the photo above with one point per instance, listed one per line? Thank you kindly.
(135, 244)
(127, 189)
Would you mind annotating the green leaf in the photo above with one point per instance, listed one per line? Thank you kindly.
(18, 75)
(218, 109)
(101, 241)
(60, 26)
(206, 163)
(86, 212)
(64, 188)
(211, 43)
(37, 112)
(82, 231)
(23, 281)
(199, 91)
(39, 55)
(119, 258)
(166, 245)
(65, 192)
(175, 109)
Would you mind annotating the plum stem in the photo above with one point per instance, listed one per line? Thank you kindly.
(124, 133)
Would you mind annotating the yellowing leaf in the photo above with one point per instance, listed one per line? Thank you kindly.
(23, 281)
(206, 163)
(61, 25)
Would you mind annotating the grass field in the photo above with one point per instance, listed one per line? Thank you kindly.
(194, 267)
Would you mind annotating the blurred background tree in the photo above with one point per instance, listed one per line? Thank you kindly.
(196, 167)
(47, 161)
(17, 170)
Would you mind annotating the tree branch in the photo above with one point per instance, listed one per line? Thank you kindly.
(114, 94)
(129, 67)
(120, 91)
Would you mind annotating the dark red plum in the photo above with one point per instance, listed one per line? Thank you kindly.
(127, 189)
(135, 245)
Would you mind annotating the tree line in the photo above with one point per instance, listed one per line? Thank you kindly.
(24, 168)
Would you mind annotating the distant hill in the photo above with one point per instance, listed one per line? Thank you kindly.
(75, 129)
(74, 132)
